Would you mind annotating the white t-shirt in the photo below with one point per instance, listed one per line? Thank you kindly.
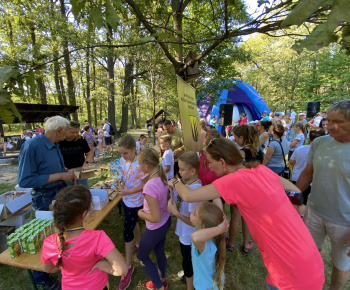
(317, 121)
(106, 128)
(299, 155)
(168, 159)
(184, 231)
(301, 138)
(139, 147)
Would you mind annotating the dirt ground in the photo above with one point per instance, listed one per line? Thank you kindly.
(9, 170)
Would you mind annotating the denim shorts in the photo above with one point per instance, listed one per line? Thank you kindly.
(43, 197)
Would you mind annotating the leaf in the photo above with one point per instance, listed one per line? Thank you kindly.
(97, 18)
(77, 6)
(31, 84)
(8, 110)
(302, 12)
(6, 73)
(112, 17)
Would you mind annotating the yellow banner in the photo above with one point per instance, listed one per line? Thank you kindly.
(189, 116)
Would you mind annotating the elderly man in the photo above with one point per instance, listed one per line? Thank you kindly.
(177, 142)
(328, 168)
(41, 167)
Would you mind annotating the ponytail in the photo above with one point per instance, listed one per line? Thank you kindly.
(250, 136)
(150, 157)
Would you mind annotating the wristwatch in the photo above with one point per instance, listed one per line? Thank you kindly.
(87, 162)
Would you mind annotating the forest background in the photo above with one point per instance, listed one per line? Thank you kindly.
(119, 58)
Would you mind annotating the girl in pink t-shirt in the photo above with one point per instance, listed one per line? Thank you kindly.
(77, 252)
(155, 213)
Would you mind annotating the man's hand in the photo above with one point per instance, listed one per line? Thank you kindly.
(176, 151)
(347, 243)
(85, 166)
(69, 176)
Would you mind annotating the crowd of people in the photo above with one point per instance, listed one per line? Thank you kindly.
(242, 170)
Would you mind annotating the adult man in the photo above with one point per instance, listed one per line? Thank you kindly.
(41, 167)
(36, 133)
(328, 168)
(108, 138)
(177, 142)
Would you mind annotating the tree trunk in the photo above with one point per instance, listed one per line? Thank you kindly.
(39, 79)
(177, 11)
(88, 103)
(101, 110)
(57, 81)
(110, 77)
(126, 93)
(62, 88)
(94, 102)
(70, 82)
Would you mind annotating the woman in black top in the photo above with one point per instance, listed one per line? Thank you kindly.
(76, 151)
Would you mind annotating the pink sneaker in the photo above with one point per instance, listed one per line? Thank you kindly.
(125, 280)
(151, 286)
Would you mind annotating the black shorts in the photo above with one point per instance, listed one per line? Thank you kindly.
(108, 140)
(131, 218)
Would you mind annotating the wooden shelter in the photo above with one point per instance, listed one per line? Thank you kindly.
(159, 117)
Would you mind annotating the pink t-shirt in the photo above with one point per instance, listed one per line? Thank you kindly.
(90, 247)
(287, 248)
(157, 189)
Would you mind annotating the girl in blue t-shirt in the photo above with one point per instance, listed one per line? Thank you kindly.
(208, 246)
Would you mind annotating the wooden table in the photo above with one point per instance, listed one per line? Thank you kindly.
(33, 262)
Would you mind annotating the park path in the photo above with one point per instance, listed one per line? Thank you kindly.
(9, 171)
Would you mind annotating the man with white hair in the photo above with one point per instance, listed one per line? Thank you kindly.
(41, 167)
(328, 168)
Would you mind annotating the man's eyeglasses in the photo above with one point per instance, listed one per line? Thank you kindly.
(341, 104)
(211, 142)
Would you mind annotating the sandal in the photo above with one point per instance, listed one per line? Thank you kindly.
(247, 250)
(228, 246)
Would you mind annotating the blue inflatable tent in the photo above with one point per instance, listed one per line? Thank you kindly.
(244, 98)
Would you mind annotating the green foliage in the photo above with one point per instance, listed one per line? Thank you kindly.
(334, 29)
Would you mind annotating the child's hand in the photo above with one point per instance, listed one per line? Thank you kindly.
(140, 213)
(172, 207)
(224, 225)
(125, 191)
(171, 181)
(98, 265)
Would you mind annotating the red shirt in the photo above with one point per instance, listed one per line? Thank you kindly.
(243, 121)
(287, 248)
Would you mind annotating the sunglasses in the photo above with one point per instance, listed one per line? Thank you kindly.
(211, 142)
(341, 104)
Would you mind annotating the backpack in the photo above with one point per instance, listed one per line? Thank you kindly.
(20, 142)
(111, 129)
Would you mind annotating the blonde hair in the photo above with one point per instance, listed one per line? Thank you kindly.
(191, 159)
(166, 138)
(250, 136)
(150, 157)
(210, 215)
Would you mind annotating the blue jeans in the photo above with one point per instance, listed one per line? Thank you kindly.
(41, 200)
(270, 287)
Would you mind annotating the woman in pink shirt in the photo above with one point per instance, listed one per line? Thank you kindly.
(155, 213)
(287, 248)
(77, 252)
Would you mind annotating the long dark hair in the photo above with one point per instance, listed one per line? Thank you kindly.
(71, 203)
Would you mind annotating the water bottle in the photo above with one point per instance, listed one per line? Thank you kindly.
(111, 170)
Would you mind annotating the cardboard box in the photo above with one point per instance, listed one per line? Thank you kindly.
(99, 198)
(21, 218)
(44, 215)
(84, 174)
(8, 208)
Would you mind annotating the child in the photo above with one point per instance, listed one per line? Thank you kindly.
(208, 246)
(188, 168)
(78, 252)
(132, 202)
(140, 145)
(157, 218)
(168, 157)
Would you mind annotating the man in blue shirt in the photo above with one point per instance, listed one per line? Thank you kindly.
(41, 167)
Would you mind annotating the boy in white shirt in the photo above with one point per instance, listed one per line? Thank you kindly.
(168, 157)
